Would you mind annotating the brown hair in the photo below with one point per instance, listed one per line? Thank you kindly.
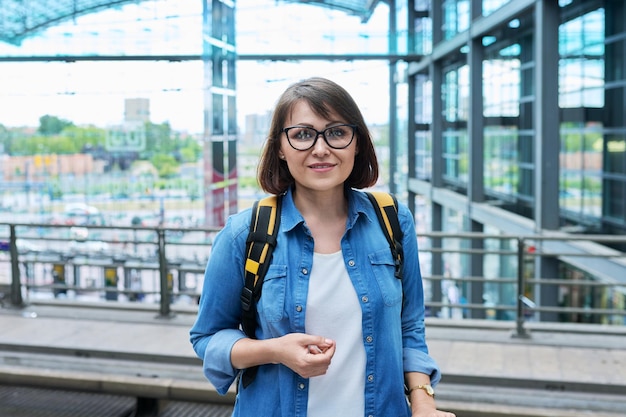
(324, 97)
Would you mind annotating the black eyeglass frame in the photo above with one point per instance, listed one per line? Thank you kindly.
(317, 135)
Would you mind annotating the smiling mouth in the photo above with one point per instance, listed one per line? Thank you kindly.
(321, 166)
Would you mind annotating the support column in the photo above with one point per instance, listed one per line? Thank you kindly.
(220, 127)
(475, 186)
(435, 72)
(476, 290)
(393, 97)
(436, 256)
(547, 141)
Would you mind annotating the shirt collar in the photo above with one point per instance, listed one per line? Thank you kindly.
(358, 204)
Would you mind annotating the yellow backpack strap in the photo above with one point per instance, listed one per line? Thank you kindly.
(262, 237)
(386, 207)
(264, 224)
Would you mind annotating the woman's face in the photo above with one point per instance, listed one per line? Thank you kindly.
(320, 168)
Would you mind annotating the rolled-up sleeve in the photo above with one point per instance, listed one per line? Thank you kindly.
(217, 366)
(217, 326)
(415, 350)
(418, 361)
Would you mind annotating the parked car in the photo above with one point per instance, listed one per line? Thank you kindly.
(79, 214)
(87, 247)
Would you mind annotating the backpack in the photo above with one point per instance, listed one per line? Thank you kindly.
(261, 242)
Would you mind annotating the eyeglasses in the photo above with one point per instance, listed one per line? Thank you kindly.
(303, 138)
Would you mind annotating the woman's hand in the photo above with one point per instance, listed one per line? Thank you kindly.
(306, 355)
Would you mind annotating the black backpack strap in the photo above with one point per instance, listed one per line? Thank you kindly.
(386, 207)
(260, 244)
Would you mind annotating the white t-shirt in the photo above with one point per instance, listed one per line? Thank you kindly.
(333, 311)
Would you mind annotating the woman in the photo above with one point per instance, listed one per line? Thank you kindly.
(334, 336)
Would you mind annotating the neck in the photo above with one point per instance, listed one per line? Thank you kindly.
(330, 204)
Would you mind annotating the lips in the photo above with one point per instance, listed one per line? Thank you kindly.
(321, 166)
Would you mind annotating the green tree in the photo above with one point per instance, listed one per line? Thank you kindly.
(90, 136)
(5, 139)
(158, 138)
(188, 155)
(52, 125)
(166, 165)
(38, 145)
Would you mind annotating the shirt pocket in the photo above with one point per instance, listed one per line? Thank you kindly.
(271, 305)
(383, 268)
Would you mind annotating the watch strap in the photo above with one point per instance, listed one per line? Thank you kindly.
(427, 388)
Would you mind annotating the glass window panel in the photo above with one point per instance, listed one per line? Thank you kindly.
(592, 195)
(450, 96)
(500, 159)
(456, 94)
(615, 61)
(455, 156)
(423, 37)
(464, 18)
(464, 93)
(423, 99)
(581, 165)
(615, 199)
(456, 17)
(501, 83)
(582, 64)
(616, 154)
(336, 31)
(423, 155)
(490, 6)
(526, 184)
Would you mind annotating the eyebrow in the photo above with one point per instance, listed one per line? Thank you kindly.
(330, 124)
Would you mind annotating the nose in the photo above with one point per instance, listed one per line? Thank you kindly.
(320, 146)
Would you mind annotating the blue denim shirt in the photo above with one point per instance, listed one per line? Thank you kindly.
(393, 335)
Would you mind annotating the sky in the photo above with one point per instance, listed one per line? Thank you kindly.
(94, 92)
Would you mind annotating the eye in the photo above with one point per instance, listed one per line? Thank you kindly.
(336, 132)
(302, 133)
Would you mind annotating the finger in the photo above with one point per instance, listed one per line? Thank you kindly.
(314, 349)
(320, 341)
(330, 351)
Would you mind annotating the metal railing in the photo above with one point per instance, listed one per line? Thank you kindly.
(582, 277)
(166, 266)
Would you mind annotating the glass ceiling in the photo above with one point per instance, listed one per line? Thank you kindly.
(21, 19)
(150, 49)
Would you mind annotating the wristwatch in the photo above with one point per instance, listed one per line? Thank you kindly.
(428, 389)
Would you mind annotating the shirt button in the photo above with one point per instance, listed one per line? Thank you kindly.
(364, 299)
(305, 271)
(351, 262)
(301, 385)
(298, 309)
(370, 378)
(369, 339)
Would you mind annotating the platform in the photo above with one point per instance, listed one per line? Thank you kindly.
(486, 370)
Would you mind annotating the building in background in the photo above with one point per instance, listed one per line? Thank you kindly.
(517, 126)
(137, 110)
(503, 117)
